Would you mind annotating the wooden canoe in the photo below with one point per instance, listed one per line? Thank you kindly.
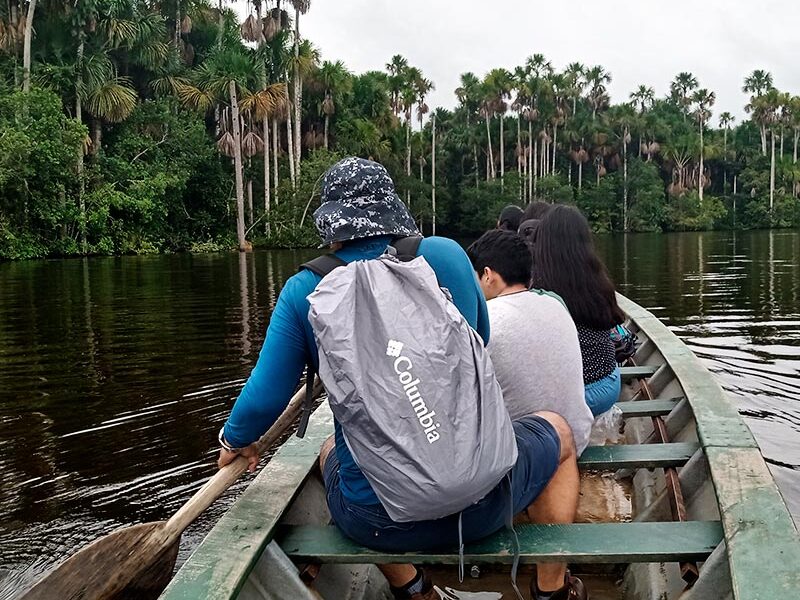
(706, 519)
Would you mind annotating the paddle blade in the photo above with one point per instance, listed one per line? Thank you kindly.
(130, 563)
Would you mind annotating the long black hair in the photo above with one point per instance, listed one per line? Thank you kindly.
(565, 262)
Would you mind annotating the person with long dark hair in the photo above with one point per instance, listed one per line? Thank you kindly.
(565, 262)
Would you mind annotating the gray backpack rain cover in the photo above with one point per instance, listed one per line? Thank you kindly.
(412, 387)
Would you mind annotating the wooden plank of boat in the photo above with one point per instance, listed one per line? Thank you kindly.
(763, 546)
(638, 372)
(221, 563)
(756, 559)
(580, 543)
(647, 408)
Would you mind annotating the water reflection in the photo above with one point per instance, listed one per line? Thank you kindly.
(116, 373)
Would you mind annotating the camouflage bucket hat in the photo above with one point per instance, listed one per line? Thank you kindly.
(359, 201)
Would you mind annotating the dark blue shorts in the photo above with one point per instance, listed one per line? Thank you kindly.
(538, 453)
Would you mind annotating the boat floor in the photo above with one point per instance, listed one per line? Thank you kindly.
(600, 586)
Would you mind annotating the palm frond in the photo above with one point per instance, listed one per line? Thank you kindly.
(113, 101)
(267, 102)
(195, 98)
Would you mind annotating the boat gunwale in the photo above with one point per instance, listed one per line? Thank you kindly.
(761, 538)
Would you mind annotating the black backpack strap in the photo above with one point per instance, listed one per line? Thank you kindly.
(322, 265)
(407, 247)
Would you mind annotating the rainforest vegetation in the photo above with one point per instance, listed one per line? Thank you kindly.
(136, 126)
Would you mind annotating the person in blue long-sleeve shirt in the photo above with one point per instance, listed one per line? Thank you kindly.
(359, 217)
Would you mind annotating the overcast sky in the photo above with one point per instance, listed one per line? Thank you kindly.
(637, 41)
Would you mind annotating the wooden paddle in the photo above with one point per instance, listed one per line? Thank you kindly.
(136, 562)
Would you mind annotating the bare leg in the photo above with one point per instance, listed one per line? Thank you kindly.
(396, 575)
(558, 502)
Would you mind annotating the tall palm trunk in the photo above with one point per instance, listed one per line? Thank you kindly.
(177, 37)
(265, 128)
(520, 168)
(763, 140)
(275, 157)
(327, 125)
(580, 175)
(408, 157)
(772, 173)
(237, 165)
(700, 176)
(796, 136)
(475, 157)
(433, 174)
(531, 172)
(555, 146)
(249, 196)
(79, 119)
(502, 151)
(298, 93)
(489, 146)
(290, 149)
(625, 180)
(26, 50)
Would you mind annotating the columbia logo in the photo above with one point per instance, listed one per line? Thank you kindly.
(394, 348)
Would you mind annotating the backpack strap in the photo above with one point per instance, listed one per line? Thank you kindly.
(322, 265)
(407, 247)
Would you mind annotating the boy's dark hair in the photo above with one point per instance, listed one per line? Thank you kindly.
(510, 218)
(565, 262)
(536, 210)
(505, 253)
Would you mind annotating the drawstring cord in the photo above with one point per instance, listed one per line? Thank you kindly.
(460, 551)
(510, 526)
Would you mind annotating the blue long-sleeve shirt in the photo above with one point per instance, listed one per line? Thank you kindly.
(290, 345)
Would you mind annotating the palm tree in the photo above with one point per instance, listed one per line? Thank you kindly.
(575, 73)
(757, 84)
(597, 78)
(726, 119)
(421, 88)
(704, 101)
(643, 97)
(681, 88)
(468, 94)
(794, 122)
(397, 70)
(497, 86)
(26, 53)
(622, 119)
(334, 76)
(559, 86)
(300, 7)
(226, 72)
(767, 106)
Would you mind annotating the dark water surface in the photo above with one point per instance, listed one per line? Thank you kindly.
(116, 373)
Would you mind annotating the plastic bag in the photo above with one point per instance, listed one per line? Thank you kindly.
(606, 428)
(624, 343)
(450, 594)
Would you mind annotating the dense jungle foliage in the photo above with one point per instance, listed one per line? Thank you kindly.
(135, 126)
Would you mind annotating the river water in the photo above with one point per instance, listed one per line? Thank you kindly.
(116, 373)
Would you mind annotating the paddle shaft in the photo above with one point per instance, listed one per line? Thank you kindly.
(227, 475)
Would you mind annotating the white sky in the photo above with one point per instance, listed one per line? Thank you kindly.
(638, 41)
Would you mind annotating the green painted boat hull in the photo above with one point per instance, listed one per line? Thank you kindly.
(738, 529)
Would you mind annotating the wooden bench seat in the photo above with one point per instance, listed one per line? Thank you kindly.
(640, 372)
(637, 456)
(577, 543)
(648, 408)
